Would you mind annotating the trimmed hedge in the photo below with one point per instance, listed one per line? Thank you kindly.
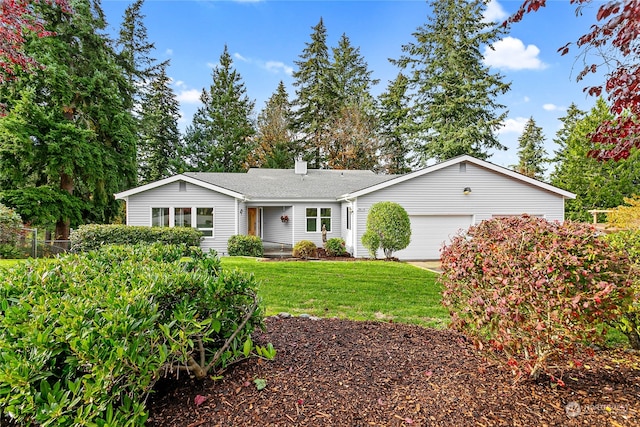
(84, 337)
(93, 236)
(242, 245)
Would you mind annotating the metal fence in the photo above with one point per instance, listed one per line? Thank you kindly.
(34, 245)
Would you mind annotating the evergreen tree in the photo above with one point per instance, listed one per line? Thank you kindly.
(531, 153)
(220, 137)
(351, 141)
(159, 135)
(135, 51)
(68, 126)
(349, 78)
(276, 147)
(597, 184)
(393, 116)
(454, 107)
(312, 105)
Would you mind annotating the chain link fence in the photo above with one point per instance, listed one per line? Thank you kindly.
(35, 245)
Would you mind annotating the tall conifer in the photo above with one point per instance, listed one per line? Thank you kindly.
(454, 107)
(220, 136)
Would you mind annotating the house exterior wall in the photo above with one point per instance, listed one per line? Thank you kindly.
(274, 230)
(441, 193)
(169, 196)
(299, 222)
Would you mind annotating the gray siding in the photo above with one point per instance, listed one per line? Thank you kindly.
(299, 222)
(274, 230)
(441, 193)
(139, 209)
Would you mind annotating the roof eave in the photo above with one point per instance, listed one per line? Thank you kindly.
(125, 194)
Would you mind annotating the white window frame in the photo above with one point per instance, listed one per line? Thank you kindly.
(194, 217)
(318, 218)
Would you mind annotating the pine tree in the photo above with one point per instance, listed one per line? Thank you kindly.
(220, 136)
(68, 126)
(454, 107)
(531, 153)
(159, 135)
(597, 184)
(312, 105)
(393, 115)
(276, 146)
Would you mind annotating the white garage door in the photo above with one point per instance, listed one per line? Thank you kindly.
(428, 232)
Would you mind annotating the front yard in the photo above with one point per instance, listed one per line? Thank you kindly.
(357, 290)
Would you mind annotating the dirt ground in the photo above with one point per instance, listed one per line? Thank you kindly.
(332, 372)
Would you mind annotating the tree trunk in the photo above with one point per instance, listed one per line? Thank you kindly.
(634, 340)
(63, 225)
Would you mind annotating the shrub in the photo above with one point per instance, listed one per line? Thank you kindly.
(84, 337)
(93, 236)
(371, 241)
(626, 216)
(533, 289)
(628, 242)
(335, 247)
(388, 228)
(241, 245)
(10, 228)
(305, 249)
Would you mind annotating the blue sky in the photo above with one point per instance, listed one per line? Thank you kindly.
(266, 37)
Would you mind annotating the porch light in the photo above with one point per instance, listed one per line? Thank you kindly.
(467, 190)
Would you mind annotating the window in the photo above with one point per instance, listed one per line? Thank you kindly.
(316, 218)
(160, 217)
(182, 217)
(349, 212)
(200, 218)
(204, 221)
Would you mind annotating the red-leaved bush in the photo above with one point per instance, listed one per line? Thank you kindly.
(535, 291)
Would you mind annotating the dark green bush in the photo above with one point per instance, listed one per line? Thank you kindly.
(84, 337)
(388, 228)
(93, 236)
(335, 247)
(10, 228)
(243, 245)
(305, 249)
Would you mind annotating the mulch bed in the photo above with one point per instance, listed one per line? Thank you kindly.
(333, 372)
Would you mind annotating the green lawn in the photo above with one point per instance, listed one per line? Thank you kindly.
(6, 263)
(359, 290)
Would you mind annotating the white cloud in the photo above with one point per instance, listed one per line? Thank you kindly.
(513, 125)
(511, 54)
(526, 99)
(276, 66)
(188, 96)
(169, 52)
(494, 12)
(553, 107)
(240, 57)
(213, 64)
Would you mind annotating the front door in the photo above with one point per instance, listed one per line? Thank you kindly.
(254, 217)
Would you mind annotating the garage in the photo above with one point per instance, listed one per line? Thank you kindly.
(428, 232)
